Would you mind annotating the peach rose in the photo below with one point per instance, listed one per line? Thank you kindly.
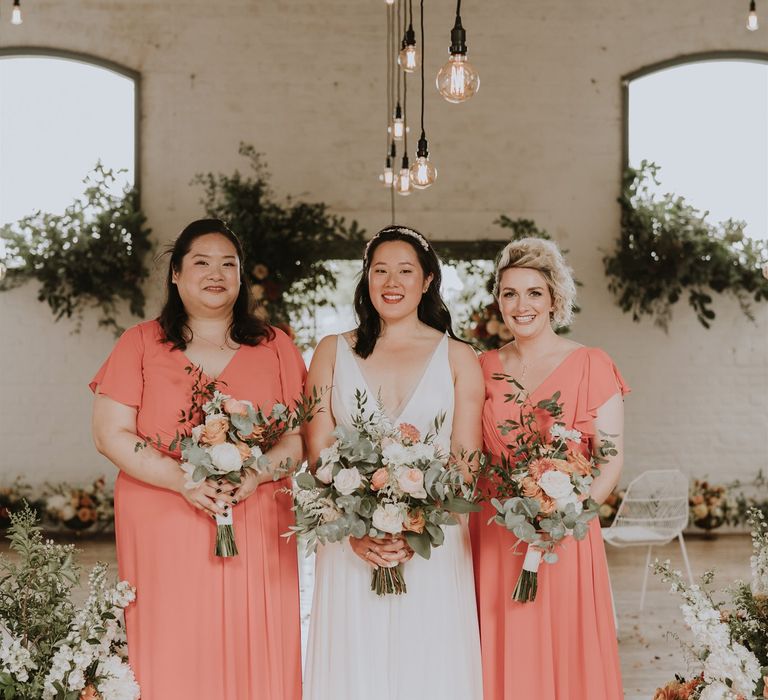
(409, 432)
(539, 466)
(698, 498)
(564, 466)
(380, 478)
(530, 488)
(215, 431)
(666, 693)
(547, 505)
(237, 407)
(86, 515)
(415, 521)
(243, 449)
(89, 693)
(580, 463)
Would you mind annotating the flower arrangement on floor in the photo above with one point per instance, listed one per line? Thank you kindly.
(49, 649)
(76, 509)
(542, 492)
(381, 480)
(610, 507)
(710, 505)
(731, 642)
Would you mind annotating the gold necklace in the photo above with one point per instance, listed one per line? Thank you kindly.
(215, 344)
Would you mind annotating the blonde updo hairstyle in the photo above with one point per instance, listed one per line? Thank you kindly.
(544, 257)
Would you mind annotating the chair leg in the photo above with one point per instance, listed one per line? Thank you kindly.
(685, 557)
(645, 575)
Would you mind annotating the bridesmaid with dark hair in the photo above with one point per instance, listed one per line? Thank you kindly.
(202, 627)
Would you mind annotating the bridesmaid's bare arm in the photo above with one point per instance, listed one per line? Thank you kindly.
(610, 420)
(318, 433)
(469, 396)
(115, 436)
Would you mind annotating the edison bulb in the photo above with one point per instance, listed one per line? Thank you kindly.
(397, 130)
(423, 173)
(408, 58)
(390, 2)
(16, 13)
(457, 80)
(752, 23)
(387, 177)
(403, 182)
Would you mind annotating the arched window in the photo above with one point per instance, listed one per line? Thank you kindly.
(60, 114)
(704, 120)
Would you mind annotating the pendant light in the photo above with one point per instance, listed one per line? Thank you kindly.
(457, 80)
(752, 23)
(423, 172)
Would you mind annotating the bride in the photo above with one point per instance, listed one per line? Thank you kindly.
(424, 643)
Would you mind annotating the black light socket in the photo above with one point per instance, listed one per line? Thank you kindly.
(392, 150)
(421, 150)
(409, 38)
(398, 111)
(752, 7)
(405, 163)
(458, 38)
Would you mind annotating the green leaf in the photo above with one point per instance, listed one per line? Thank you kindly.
(420, 543)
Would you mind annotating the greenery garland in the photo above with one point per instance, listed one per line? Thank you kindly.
(91, 255)
(286, 244)
(667, 248)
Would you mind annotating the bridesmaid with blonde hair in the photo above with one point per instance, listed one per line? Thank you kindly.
(562, 645)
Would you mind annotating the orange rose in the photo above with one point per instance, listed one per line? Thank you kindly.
(539, 466)
(89, 693)
(414, 521)
(243, 449)
(564, 466)
(547, 506)
(666, 693)
(215, 431)
(580, 463)
(379, 479)
(530, 488)
(409, 432)
(86, 515)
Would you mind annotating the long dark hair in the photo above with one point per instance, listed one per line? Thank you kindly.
(432, 309)
(246, 328)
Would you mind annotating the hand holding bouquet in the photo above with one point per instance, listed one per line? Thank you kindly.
(542, 486)
(381, 480)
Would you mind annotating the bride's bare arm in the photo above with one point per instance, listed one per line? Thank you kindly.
(469, 396)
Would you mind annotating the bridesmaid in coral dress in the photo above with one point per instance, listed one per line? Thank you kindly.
(203, 627)
(563, 645)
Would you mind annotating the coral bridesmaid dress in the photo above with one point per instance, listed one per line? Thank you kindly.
(562, 646)
(204, 627)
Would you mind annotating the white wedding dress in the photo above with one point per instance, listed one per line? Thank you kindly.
(421, 645)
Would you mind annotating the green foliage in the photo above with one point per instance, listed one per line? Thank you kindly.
(35, 604)
(91, 255)
(286, 243)
(667, 249)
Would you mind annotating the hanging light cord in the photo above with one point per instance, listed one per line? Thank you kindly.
(405, 95)
(389, 72)
(458, 7)
(423, 54)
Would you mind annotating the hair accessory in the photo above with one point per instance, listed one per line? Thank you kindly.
(404, 230)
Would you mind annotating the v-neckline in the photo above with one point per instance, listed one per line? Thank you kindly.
(218, 377)
(405, 403)
(548, 376)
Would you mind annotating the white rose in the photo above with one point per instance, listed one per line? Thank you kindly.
(216, 416)
(197, 431)
(57, 502)
(67, 513)
(556, 484)
(256, 452)
(395, 454)
(388, 518)
(559, 432)
(325, 473)
(330, 455)
(411, 481)
(226, 457)
(347, 481)
(421, 451)
(573, 498)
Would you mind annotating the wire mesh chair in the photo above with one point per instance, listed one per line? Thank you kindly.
(653, 513)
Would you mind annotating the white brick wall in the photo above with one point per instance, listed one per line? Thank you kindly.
(304, 82)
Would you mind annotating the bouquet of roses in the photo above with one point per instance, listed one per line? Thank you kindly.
(230, 436)
(381, 480)
(542, 487)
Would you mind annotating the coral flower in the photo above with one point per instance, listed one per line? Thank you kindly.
(409, 432)
(538, 467)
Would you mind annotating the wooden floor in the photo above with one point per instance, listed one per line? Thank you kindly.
(650, 655)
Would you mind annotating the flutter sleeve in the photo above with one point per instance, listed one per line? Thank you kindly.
(293, 371)
(600, 381)
(121, 376)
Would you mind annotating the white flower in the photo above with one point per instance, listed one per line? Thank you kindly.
(57, 502)
(421, 451)
(117, 680)
(216, 417)
(388, 518)
(347, 481)
(411, 481)
(559, 432)
(256, 452)
(225, 457)
(325, 473)
(396, 455)
(330, 455)
(556, 484)
(561, 503)
(197, 431)
(189, 470)
(68, 512)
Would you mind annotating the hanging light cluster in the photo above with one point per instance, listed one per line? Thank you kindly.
(16, 12)
(456, 81)
(752, 23)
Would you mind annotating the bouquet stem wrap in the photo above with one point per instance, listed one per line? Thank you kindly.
(528, 583)
(388, 580)
(225, 536)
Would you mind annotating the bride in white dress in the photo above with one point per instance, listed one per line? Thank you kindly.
(423, 644)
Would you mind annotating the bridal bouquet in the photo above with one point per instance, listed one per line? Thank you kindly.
(381, 480)
(542, 487)
(230, 436)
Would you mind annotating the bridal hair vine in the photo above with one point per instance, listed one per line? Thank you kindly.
(404, 230)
